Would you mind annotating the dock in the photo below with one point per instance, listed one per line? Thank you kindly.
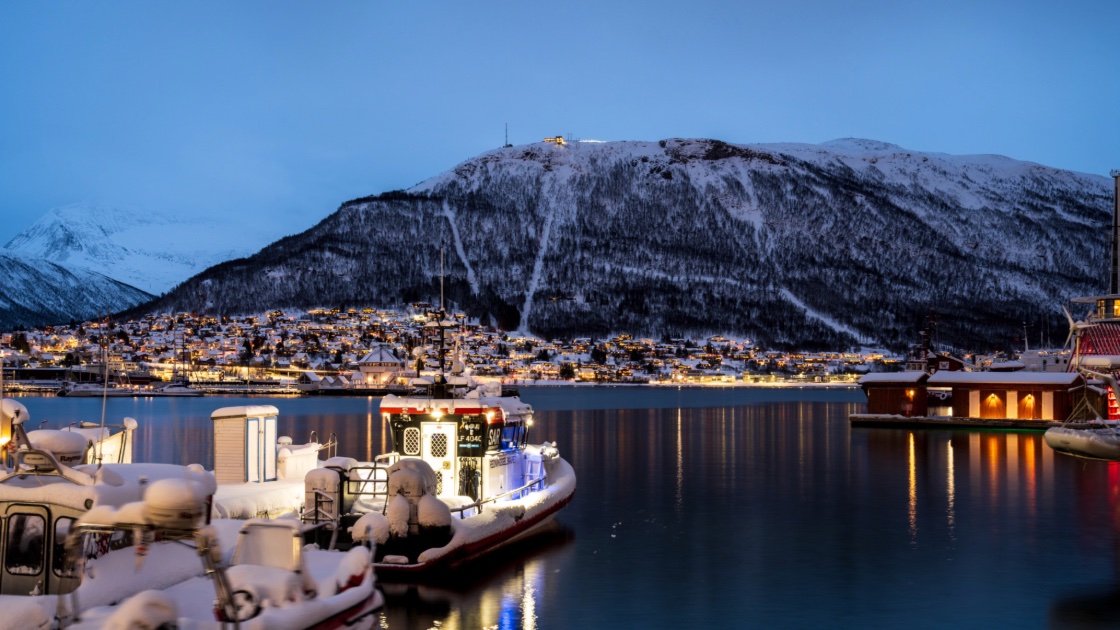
(895, 421)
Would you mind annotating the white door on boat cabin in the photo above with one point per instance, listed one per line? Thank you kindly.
(438, 449)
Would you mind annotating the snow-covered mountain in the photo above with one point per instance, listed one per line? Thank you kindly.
(792, 244)
(150, 250)
(35, 291)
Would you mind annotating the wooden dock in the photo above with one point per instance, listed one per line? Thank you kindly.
(944, 422)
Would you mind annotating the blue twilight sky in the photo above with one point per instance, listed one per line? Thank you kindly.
(283, 110)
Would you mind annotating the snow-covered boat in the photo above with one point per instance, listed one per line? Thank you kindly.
(271, 580)
(51, 478)
(461, 480)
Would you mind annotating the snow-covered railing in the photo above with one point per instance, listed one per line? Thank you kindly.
(368, 481)
(515, 493)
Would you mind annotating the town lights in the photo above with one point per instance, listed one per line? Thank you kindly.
(437, 413)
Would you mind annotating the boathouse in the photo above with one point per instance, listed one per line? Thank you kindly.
(899, 393)
(1005, 395)
(973, 396)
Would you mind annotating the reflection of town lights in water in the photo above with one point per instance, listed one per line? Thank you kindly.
(913, 508)
(680, 467)
(951, 487)
(507, 619)
(369, 437)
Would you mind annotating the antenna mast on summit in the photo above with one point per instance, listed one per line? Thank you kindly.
(1114, 279)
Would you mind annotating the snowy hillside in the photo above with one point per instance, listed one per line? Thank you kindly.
(792, 244)
(148, 250)
(35, 292)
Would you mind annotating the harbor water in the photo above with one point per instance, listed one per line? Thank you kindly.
(744, 508)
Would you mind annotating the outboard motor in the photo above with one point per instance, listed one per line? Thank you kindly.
(418, 520)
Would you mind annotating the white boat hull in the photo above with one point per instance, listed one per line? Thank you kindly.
(1102, 444)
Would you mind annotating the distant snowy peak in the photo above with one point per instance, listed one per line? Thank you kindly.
(80, 230)
(151, 250)
(35, 292)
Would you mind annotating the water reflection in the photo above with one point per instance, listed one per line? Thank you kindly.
(501, 593)
(951, 483)
(740, 514)
(912, 511)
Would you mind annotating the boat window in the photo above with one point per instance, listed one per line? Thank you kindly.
(59, 564)
(510, 436)
(24, 554)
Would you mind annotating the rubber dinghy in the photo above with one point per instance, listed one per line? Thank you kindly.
(1088, 443)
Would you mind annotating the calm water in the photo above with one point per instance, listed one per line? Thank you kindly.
(722, 508)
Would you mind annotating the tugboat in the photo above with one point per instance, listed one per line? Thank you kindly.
(461, 481)
(1093, 431)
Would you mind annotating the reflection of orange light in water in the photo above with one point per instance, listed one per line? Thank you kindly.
(951, 491)
(993, 465)
(912, 511)
(1029, 463)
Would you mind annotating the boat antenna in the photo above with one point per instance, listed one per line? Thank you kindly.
(1114, 279)
(104, 388)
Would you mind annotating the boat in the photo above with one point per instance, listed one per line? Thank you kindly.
(271, 580)
(179, 388)
(1101, 443)
(1093, 429)
(462, 479)
(97, 390)
(50, 479)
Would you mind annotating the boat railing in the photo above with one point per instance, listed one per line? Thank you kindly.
(324, 509)
(516, 493)
(369, 482)
(324, 516)
(387, 459)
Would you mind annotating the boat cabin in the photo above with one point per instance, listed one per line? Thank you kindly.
(48, 480)
(470, 443)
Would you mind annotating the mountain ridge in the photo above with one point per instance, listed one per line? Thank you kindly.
(691, 236)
